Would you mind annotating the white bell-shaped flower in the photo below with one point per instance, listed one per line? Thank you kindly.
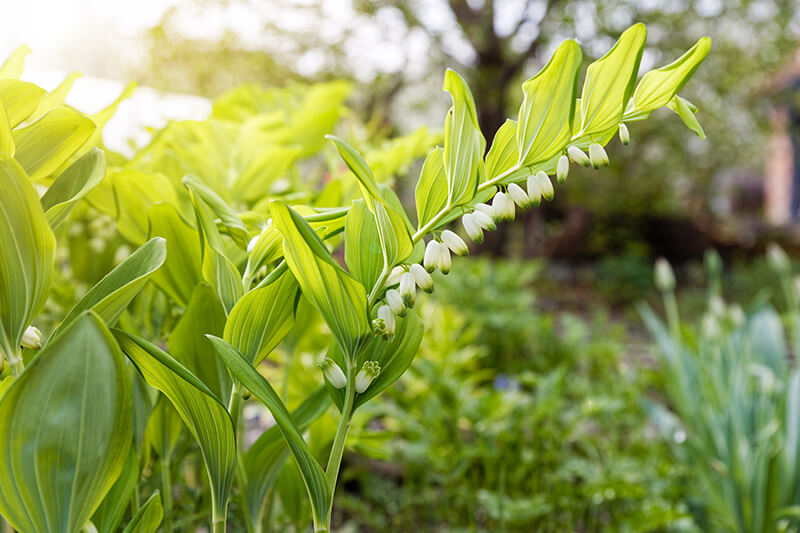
(519, 196)
(472, 228)
(421, 276)
(562, 170)
(366, 375)
(431, 259)
(333, 373)
(579, 156)
(32, 338)
(454, 242)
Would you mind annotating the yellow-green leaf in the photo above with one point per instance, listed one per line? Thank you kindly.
(73, 184)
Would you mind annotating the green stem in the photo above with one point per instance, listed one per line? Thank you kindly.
(217, 521)
(16, 363)
(166, 494)
(673, 318)
(337, 449)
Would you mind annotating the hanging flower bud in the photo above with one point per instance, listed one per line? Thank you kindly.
(32, 338)
(578, 155)
(545, 185)
(777, 258)
(624, 134)
(665, 277)
(333, 373)
(562, 169)
(421, 276)
(472, 228)
(597, 156)
(366, 375)
(519, 196)
(444, 260)
(395, 302)
(252, 243)
(486, 209)
(408, 289)
(454, 242)
(431, 258)
(534, 189)
(394, 276)
(386, 316)
(503, 207)
(484, 220)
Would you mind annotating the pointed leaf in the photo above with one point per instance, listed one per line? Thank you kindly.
(110, 513)
(686, 111)
(27, 250)
(230, 220)
(431, 190)
(148, 517)
(15, 64)
(319, 490)
(181, 271)
(19, 98)
(504, 152)
(65, 430)
(75, 183)
(7, 147)
(55, 97)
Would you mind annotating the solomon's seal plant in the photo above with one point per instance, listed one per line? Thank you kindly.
(239, 255)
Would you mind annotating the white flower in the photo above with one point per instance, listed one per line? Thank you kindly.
(394, 276)
(454, 242)
(32, 338)
(665, 277)
(395, 302)
(545, 185)
(534, 189)
(387, 317)
(444, 260)
(519, 196)
(333, 373)
(737, 316)
(578, 155)
(421, 276)
(777, 258)
(563, 169)
(484, 220)
(624, 134)
(431, 258)
(486, 209)
(252, 243)
(503, 207)
(472, 228)
(408, 289)
(597, 155)
(368, 372)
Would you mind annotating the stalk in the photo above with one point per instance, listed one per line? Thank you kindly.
(337, 449)
(217, 521)
(16, 363)
(166, 494)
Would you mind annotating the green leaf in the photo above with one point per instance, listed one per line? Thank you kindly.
(394, 358)
(362, 250)
(19, 98)
(201, 411)
(15, 64)
(181, 271)
(65, 429)
(504, 153)
(27, 249)
(609, 84)
(72, 185)
(657, 87)
(7, 147)
(262, 318)
(135, 193)
(110, 513)
(55, 97)
(268, 454)
(48, 143)
(188, 345)
(230, 220)
(464, 144)
(545, 116)
(163, 428)
(340, 299)
(686, 111)
(148, 517)
(393, 235)
(218, 270)
(431, 192)
(112, 294)
(317, 485)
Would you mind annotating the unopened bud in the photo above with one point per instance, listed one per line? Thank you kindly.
(624, 134)
(664, 276)
(395, 302)
(408, 289)
(484, 220)
(503, 207)
(545, 185)
(333, 373)
(472, 228)
(597, 156)
(534, 189)
(386, 316)
(519, 196)
(431, 258)
(454, 242)
(444, 260)
(252, 243)
(32, 338)
(421, 276)
(366, 375)
(777, 258)
(394, 276)
(579, 156)
(562, 169)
